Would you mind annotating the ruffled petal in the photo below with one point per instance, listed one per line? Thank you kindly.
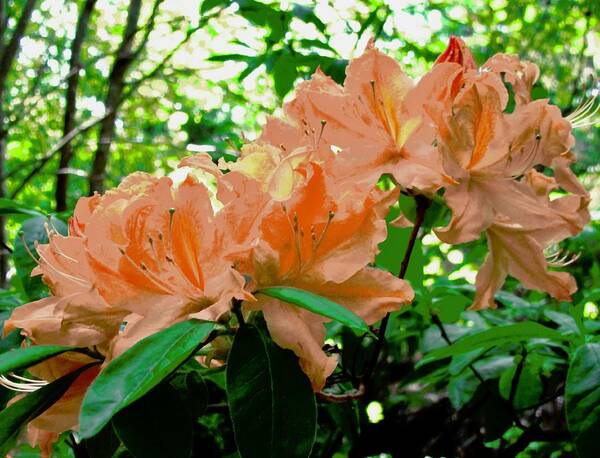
(302, 332)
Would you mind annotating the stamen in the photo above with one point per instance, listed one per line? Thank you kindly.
(171, 213)
(323, 124)
(27, 250)
(81, 281)
(146, 273)
(330, 216)
(585, 114)
(297, 241)
(24, 386)
(153, 248)
(372, 82)
(563, 261)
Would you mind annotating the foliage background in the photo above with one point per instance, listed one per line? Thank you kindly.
(206, 75)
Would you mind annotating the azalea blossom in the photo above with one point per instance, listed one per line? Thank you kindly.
(491, 155)
(321, 240)
(138, 259)
(155, 253)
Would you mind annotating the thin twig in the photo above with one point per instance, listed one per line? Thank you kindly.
(422, 205)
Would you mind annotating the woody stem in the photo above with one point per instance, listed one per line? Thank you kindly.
(422, 205)
(237, 310)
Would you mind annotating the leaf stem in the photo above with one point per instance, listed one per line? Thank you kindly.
(237, 310)
(422, 205)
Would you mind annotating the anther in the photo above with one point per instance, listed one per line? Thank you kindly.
(171, 213)
(323, 124)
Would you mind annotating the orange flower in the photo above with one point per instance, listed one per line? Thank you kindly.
(374, 123)
(154, 250)
(321, 240)
(490, 155)
(457, 52)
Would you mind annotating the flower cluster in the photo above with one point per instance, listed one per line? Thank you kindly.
(302, 208)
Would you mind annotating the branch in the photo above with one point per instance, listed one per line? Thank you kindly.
(121, 64)
(516, 378)
(66, 151)
(134, 85)
(52, 151)
(149, 27)
(343, 397)
(3, 22)
(12, 48)
(422, 205)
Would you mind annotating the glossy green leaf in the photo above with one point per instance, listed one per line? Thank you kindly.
(132, 374)
(582, 396)
(528, 389)
(271, 401)
(22, 358)
(491, 337)
(156, 426)
(317, 304)
(11, 207)
(31, 406)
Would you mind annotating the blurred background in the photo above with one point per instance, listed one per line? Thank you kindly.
(92, 90)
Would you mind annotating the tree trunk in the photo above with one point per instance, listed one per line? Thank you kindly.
(66, 152)
(10, 50)
(116, 83)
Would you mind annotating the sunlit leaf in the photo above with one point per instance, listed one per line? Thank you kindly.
(132, 374)
(22, 358)
(317, 304)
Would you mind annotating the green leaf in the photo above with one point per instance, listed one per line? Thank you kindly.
(529, 388)
(271, 401)
(22, 358)
(582, 396)
(10, 207)
(31, 406)
(461, 389)
(132, 374)
(284, 74)
(492, 337)
(33, 230)
(317, 304)
(156, 426)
